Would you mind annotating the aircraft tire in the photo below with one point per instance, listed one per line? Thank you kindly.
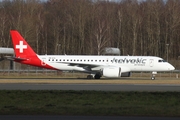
(97, 76)
(89, 77)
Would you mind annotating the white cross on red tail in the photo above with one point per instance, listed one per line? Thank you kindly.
(21, 46)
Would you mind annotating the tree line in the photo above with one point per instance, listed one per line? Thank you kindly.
(76, 27)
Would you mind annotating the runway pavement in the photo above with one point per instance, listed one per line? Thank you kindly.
(96, 87)
(44, 117)
(84, 84)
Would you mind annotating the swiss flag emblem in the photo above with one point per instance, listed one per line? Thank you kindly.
(21, 46)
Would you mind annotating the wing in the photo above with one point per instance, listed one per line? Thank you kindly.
(87, 67)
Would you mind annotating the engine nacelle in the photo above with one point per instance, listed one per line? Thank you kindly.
(115, 72)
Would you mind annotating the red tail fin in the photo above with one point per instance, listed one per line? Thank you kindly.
(24, 53)
(21, 47)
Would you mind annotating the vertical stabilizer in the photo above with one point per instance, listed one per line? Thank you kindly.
(21, 47)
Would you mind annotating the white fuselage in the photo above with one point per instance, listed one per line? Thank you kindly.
(95, 63)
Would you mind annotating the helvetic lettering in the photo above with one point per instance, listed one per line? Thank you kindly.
(136, 61)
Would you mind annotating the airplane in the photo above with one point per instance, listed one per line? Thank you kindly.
(4, 50)
(96, 66)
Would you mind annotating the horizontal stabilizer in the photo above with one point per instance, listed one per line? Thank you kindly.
(15, 58)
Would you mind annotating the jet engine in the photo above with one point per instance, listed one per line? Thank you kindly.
(115, 72)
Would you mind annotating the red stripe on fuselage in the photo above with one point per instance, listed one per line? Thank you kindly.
(35, 61)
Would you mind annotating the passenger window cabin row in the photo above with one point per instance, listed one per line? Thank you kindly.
(78, 60)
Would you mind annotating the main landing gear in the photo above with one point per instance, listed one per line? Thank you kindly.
(96, 76)
(90, 77)
(153, 75)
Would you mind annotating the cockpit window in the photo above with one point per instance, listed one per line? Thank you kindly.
(161, 61)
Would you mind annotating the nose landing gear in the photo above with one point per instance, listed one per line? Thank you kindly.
(153, 75)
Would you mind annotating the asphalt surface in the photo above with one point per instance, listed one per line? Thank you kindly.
(96, 87)
(123, 84)
(44, 117)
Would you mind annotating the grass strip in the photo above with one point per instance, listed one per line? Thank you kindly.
(55, 102)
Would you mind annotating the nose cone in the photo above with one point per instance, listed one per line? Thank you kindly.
(171, 67)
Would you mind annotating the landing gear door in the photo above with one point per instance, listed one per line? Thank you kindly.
(151, 62)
